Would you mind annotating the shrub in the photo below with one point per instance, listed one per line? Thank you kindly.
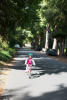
(6, 53)
(5, 56)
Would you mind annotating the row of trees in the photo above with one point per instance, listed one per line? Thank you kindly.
(19, 18)
(57, 20)
(48, 17)
(11, 17)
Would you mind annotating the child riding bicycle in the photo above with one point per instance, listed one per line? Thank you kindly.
(29, 62)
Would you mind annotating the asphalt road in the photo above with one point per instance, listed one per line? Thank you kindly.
(48, 80)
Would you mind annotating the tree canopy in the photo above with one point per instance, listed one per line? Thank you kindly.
(18, 18)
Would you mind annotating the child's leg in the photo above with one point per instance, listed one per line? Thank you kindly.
(26, 68)
(30, 69)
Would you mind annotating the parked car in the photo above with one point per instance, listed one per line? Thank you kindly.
(52, 52)
(17, 46)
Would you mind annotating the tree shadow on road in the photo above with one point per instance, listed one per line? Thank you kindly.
(44, 64)
(50, 66)
(60, 94)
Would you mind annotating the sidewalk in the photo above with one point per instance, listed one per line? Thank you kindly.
(4, 70)
(3, 77)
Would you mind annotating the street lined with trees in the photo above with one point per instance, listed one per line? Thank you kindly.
(23, 21)
(42, 26)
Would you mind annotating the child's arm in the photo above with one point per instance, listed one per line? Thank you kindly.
(33, 62)
(26, 62)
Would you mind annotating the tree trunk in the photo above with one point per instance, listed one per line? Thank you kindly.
(62, 53)
(54, 44)
(47, 38)
(61, 47)
(66, 45)
(66, 52)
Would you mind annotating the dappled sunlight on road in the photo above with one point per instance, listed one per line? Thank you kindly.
(47, 86)
(48, 80)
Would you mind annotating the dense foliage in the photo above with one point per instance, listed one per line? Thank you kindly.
(19, 18)
(6, 53)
